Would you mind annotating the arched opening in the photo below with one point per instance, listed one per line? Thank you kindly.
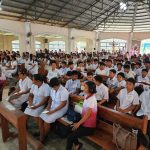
(145, 46)
(112, 45)
(15, 45)
(37, 45)
(80, 46)
(56, 46)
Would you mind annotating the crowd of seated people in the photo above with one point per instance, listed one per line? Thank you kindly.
(47, 80)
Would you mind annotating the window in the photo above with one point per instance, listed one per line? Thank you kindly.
(37, 45)
(113, 45)
(145, 46)
(15, 45)
(80, 46)
(56, 45)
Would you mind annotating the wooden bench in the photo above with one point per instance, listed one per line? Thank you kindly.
(8, 114)
(103, 135)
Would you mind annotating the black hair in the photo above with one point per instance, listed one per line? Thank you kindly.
(54, 82)
(70, 63)
(23, 71)
(113, 71)
(92, 87)
(38, 77)
(139, 90)
(119, 64)
(131, 80)
(74, 72)
(101, 64)
(53, 61)
(89, 73)
(121, 74)
(109, 60)
(64, 62)
(126, 66)
(144, 70)
(69, 73)
(98, 78)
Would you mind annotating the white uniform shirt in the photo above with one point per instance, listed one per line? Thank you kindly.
(102, 92)
(112, 82)
(121, 84)
(141, 79)
(59, 96)
(71, 85)
(130, 74)
(25, 84)
(145, 104)
(40, 93)
(51, 74)
(104, 72)
(14, 64)
(127, 99)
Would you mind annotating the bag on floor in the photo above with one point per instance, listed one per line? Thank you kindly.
(124, 139)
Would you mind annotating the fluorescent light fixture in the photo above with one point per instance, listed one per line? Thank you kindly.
(123, 6)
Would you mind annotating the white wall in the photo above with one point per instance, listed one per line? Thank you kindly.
(69, 35)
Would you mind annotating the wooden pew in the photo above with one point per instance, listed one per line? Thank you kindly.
(103, 135)
(104, 132)
(18, 119)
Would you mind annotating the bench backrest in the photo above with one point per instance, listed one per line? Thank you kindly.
(13, 116)
(125, 120)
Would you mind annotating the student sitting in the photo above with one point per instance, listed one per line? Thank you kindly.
(121, 81)
(53, 72)
(73, 85)
(128, 73)
(21, 94)
(145, 107)
(128, 98)
(112, 80)
(87, 124)
(102, 95)
(102, 70)
(39, 95)
(57, 107)
(90, 76)
(143, 77)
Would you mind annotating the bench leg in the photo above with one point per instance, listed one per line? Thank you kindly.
(22, 134)
(5, 129)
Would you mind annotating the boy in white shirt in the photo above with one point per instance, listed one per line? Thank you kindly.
(102, 70)
(73, 85)
(54, 72)
(128, 72)
(143, 77)
(128, 98)
(102, 94)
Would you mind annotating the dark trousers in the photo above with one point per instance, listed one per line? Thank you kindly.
(80, 132)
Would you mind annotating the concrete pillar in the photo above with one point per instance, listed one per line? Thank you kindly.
(129, 42)
(22, 44)
(70, 44)
(97, 39)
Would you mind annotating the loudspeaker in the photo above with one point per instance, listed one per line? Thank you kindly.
(46, 40)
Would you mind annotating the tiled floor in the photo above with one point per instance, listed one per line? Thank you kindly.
(53, 142)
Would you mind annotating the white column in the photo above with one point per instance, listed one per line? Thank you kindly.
(129, 44)
(97, 39)
(22, 43)
(30, 40)
(70, 44)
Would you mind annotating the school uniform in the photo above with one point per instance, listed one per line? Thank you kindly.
(53, 73)
(63, 71)
(127, 99)
(24, 85)
(9, 73)
(72, 85)
(112, 83)
(57, 97)
(34, 70)
(121, 84)
(141, 79)
(39, 94)
(130, 74)
(102, 92)
(104, 72)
